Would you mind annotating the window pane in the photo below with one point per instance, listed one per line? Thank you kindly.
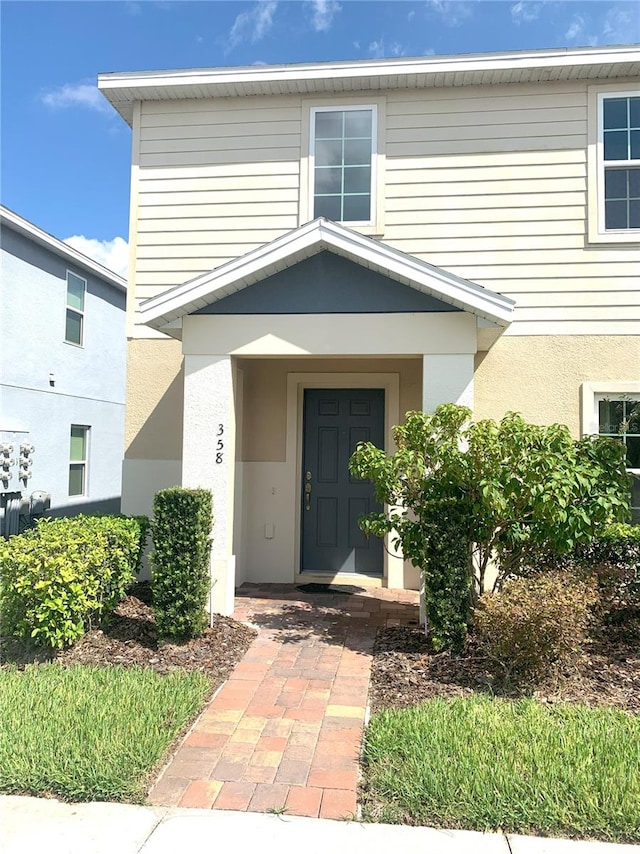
(329, 125)
(76, 479)
(615, 183)
(357, 179)
(358, 124)
(634, 110)
(633, 452)
(635, 500)
(634, 214)
(329, 152)
(616, 146)
(633, 416)
(611, 416)
(78, 448)
(328, 206)
(357, 152)
(357, 209)
(615, 215)
(615, 113)
(75, 292)
(635, 145)
(73, 331)
(634, 183)
(328, 181)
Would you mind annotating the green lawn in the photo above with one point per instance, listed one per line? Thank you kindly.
(90, 733)
(520, 766)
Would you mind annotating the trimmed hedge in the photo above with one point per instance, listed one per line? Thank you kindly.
(446, 571)
(180, 578)
(66, 575)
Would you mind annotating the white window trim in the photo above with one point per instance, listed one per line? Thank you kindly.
(375, 226)
(75, 310)
(596, 166)
(591, 395)
(84, 462)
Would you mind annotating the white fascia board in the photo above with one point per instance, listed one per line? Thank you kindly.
(304, 72)
(308, 240)
(28, 229)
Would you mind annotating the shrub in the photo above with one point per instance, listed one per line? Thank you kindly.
(67, 574)
(446, 574)
(534, 626)
(180, 560)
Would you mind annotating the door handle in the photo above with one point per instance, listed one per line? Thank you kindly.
(307, 496)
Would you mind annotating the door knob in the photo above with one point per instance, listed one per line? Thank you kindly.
(307, 496)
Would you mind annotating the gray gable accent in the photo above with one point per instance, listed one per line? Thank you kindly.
(326, 283)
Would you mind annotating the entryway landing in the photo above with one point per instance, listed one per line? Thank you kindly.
(284, 732)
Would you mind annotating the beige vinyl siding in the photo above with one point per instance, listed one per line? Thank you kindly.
(489, 183)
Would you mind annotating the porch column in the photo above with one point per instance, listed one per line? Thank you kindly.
(209, 455)
(445, 379)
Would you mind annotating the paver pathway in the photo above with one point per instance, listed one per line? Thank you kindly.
(284, 732)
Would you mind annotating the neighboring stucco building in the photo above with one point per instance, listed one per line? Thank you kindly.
(63, 370)
(393, 233)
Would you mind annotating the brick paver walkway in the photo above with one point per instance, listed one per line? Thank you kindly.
(284, 732)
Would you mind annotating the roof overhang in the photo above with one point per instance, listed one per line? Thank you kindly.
(165, 311)
(17, 223)
(123, 89)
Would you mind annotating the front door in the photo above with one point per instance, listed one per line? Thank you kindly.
(335, 420)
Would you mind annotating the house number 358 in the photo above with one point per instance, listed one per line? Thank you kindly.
(219, 444)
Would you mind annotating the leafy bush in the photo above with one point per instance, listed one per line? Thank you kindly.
(446, 572)
(526, 487)
(180, 579)
(534, 626)
(67, 574)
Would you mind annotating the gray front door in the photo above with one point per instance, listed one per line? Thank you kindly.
(335, 420)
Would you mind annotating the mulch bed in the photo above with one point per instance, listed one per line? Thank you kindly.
(406, 672)
(131, 640)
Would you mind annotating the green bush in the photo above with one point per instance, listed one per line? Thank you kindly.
(180, 560)
(446, 574)
(534, 626)
(65, 575)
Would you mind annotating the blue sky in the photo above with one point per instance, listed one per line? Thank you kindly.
(65, 152)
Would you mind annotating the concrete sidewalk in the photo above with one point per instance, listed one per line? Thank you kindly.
(32, 824)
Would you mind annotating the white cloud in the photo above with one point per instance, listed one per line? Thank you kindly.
(578, 32)
(452, 12)
(378, 50)
(76, 95)
(523, 12)
(324, 12)
(253, 24)
(621, 25)
(112, 254)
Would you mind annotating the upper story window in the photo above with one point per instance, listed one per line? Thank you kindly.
(621, 161)
(76, 289)
(614, 164)
(342, 160)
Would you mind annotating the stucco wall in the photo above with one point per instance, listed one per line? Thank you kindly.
(47, 384)
(155, 396)
(265, 391)
(541, 376)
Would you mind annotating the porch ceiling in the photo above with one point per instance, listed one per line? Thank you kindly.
(165, 311)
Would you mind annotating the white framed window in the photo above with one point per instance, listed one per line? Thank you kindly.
(613, 410)
(342, 154)
(78, 459)
(614, 165)
(342, 166)
(74, 323)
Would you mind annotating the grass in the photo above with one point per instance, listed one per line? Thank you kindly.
(517, 766)
(90, 733)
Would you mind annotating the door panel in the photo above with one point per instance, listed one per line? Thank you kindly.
(335, 420)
